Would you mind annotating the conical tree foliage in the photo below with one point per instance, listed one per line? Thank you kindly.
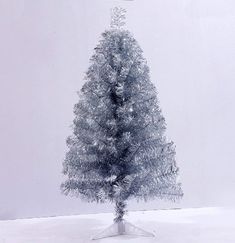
(118, 149)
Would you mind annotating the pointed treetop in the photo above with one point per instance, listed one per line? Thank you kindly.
(118, 17)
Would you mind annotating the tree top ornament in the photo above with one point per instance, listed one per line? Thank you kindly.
(118, 17)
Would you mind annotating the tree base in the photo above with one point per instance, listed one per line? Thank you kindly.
(122, 228)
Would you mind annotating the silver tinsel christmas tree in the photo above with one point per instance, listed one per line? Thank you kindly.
(118, 149)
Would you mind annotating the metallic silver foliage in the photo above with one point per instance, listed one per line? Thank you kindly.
(118, 149)
(118, 17)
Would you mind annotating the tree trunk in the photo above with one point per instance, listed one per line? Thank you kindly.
(120, 211)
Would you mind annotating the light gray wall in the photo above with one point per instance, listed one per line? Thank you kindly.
(44, 51)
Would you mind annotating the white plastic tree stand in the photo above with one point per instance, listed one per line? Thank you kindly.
(122, 228)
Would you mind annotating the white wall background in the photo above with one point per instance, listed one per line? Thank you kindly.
(44, 50)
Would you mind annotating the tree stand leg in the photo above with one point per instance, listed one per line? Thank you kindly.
(121, 226)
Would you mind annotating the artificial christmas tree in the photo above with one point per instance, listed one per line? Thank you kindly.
(118, 149)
